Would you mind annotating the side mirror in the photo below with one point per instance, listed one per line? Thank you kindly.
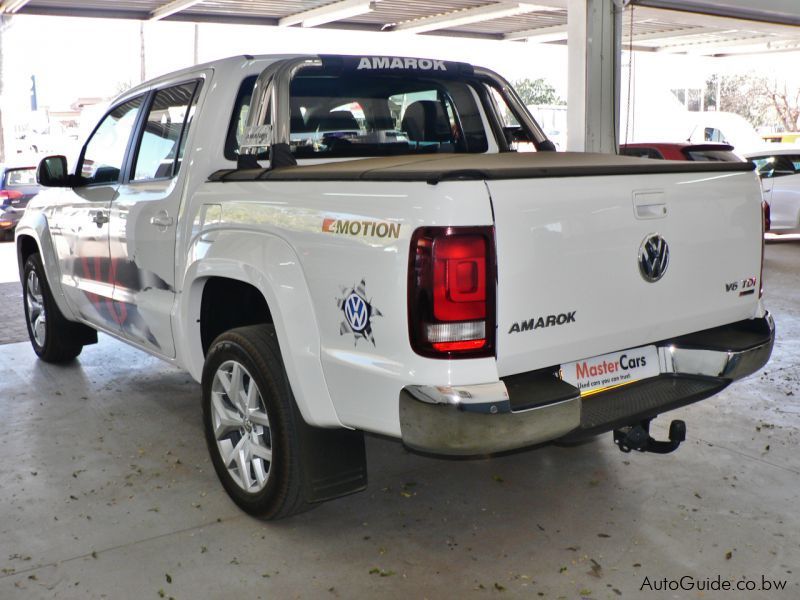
(52, 172)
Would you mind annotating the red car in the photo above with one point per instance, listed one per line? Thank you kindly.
(688, 151)
(681, 151)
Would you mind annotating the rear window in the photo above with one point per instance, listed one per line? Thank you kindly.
(372, 115)
(641, 152)
(20, 177)
(711, 155)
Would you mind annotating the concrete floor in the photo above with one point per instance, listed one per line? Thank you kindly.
(106, 491)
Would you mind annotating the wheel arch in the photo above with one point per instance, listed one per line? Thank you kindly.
(268, 265)
(33, 235)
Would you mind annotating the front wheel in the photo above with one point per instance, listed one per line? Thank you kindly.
(53, 337)
(250, 425)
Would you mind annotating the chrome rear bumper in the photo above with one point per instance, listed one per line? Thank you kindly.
(487, 418)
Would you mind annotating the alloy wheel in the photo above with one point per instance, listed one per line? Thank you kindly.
(241, 426)
(37, 318)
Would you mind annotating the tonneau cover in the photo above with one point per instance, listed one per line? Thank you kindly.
(507, 165)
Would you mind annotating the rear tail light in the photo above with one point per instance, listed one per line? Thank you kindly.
(451, 292)
(6, 196)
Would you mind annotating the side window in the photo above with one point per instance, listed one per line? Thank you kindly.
(241, 109)
(105, 151)
(778, 165)
(163, 139)
(712, 134)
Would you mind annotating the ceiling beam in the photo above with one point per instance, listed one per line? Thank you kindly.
(768, 48)
(328, 13)
(713, 47)
(766, 11)
(171, 8)
(11, 6)
(653, 37)
(539, 35)
(467, 16)
(704, 20)
(724, 46)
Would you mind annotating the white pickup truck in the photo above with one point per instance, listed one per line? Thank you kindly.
(336, 245)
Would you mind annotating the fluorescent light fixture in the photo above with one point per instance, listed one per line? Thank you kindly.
(172, 8)
(328, 13)
(539, 35)
(467, 16)
(12, 6)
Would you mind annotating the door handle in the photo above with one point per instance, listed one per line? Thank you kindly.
(162, 219)
(100, 218)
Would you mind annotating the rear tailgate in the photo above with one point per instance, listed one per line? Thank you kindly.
(569, 278)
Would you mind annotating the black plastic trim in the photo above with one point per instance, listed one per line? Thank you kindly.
(537, 388)
(735, 337)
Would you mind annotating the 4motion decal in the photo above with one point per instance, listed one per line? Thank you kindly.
(358, 313)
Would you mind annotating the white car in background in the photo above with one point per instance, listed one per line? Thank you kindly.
(779, 170)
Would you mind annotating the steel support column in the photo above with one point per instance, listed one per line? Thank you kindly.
(594, 48)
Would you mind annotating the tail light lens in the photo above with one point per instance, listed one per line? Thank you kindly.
(451, 292)
(6, 196)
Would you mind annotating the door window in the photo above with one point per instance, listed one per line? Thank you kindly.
(163, 140)
(105, 151)
(777, 165)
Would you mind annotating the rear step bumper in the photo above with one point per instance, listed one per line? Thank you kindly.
(537, 407)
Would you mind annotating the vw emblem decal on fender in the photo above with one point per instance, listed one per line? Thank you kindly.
(358, 313)
(653, 258)
(355, 310)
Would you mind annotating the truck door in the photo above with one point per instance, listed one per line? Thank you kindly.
(79, 221)
(779, 181)
(144, 217)
(783, 193)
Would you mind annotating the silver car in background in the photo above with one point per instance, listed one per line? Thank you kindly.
(779, 170)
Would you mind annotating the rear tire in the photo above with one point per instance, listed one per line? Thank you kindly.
(53, 337)
(250, 423)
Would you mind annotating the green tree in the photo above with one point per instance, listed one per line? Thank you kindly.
(537, 91)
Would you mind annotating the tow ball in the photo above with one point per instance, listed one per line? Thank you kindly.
(637, 437)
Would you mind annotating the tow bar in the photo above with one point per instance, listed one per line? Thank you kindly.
(637, 437)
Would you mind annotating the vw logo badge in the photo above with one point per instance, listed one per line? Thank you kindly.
(653, 258)
(356, 312)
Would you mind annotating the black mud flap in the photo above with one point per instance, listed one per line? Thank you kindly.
(334, 461)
